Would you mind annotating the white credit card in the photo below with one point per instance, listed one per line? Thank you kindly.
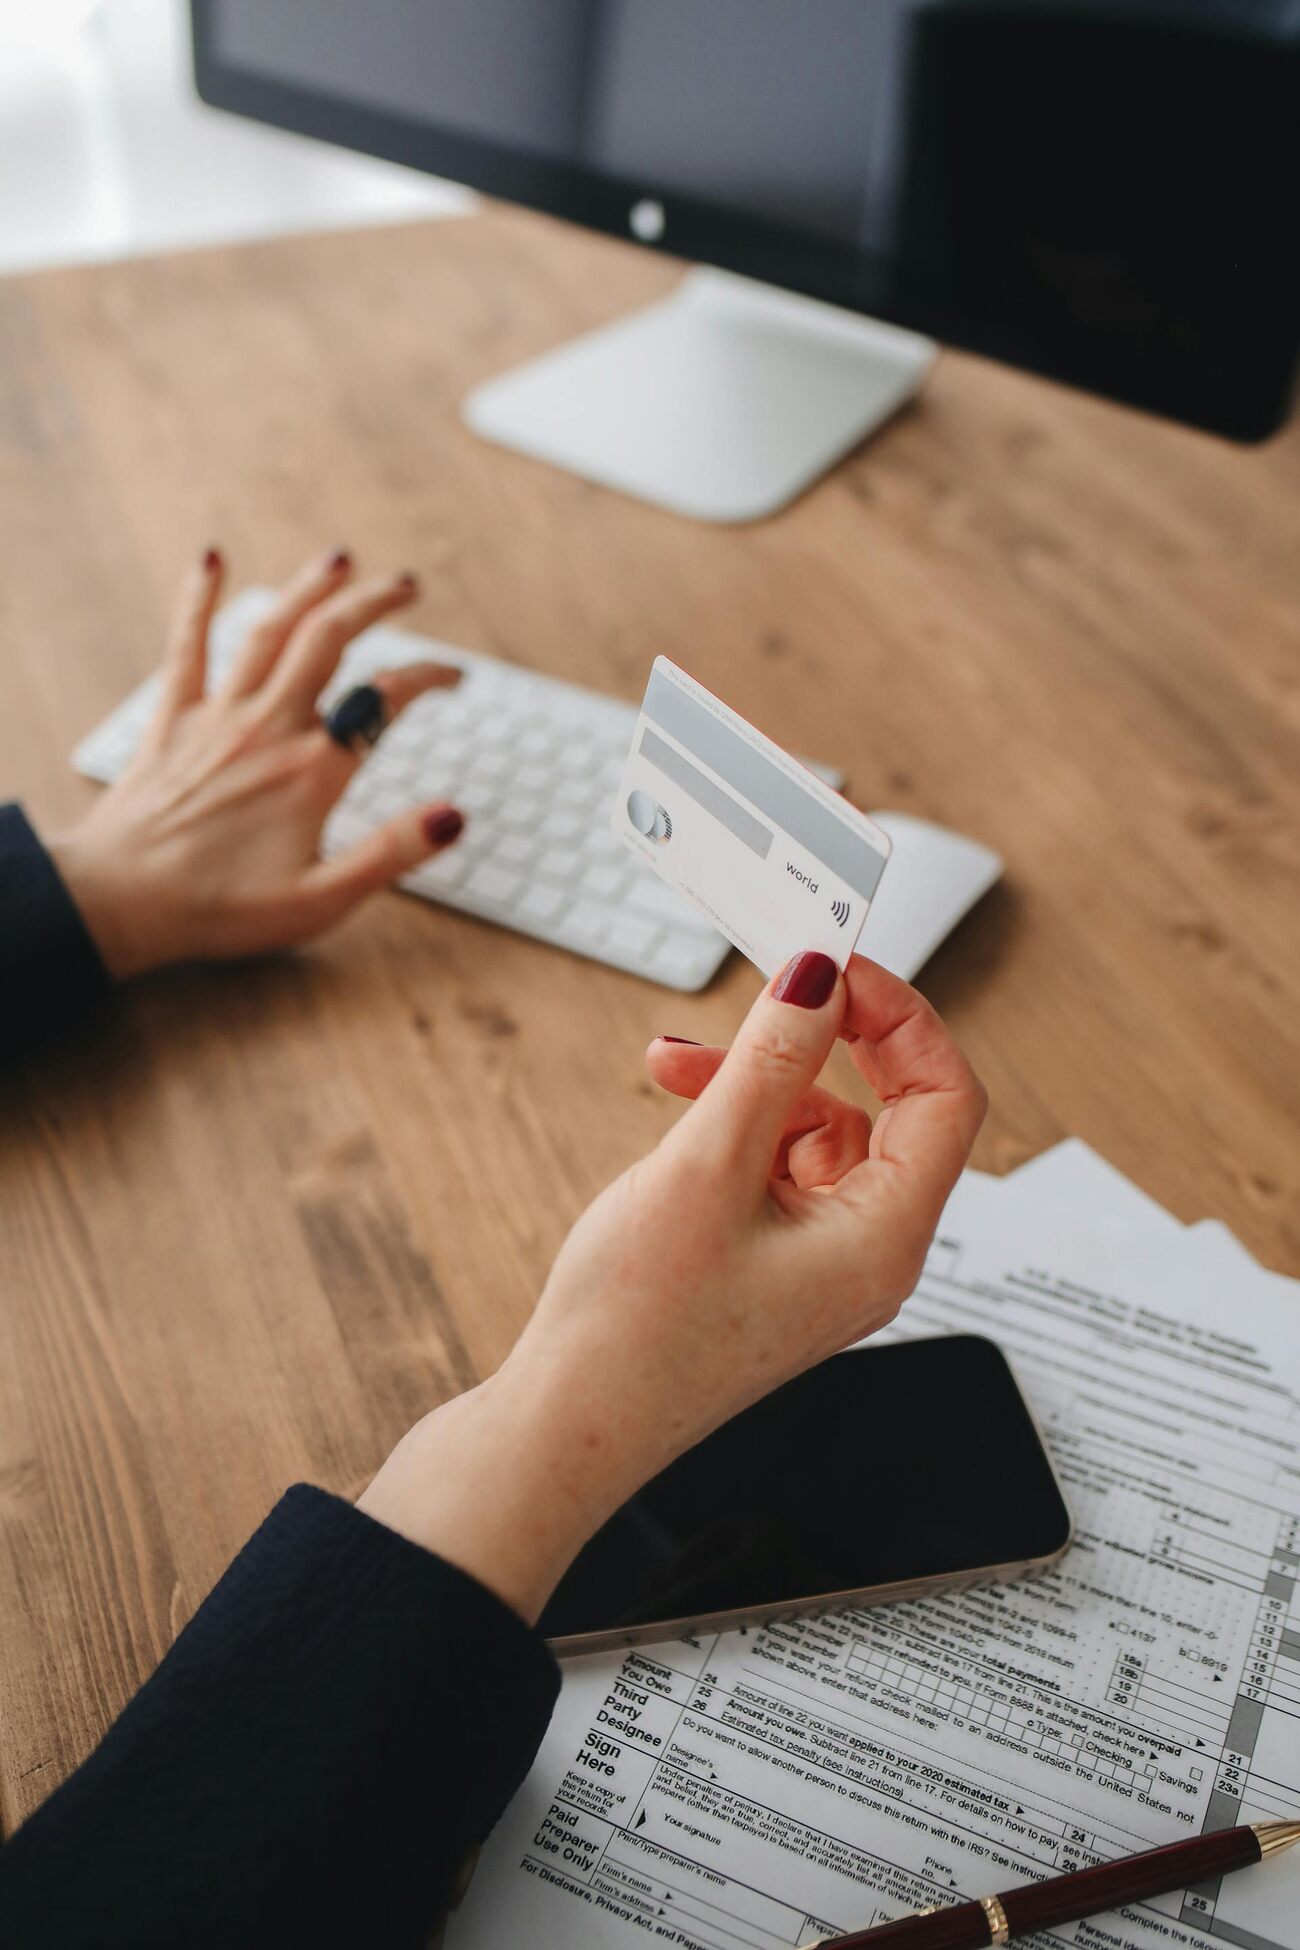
(777, 860)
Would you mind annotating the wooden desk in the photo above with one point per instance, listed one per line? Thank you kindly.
(255, 1224)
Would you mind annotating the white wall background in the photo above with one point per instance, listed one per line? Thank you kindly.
(105, 151)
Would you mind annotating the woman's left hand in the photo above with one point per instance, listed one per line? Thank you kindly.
(207, 846)
(770, 1227)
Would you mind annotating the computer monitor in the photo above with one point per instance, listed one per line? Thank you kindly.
(1099, 190)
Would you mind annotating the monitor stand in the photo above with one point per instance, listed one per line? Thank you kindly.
(721, 402)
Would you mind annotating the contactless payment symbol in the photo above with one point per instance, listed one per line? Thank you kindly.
(649, 817)
(840, 909)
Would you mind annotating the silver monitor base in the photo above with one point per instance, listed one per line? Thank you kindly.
(722, 401)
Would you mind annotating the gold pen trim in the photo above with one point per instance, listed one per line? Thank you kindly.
(1274, 1836)
(996, 1918)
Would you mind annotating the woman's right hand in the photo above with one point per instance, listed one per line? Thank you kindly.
(771, 1227)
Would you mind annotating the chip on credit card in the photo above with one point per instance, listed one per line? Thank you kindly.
(777, 860)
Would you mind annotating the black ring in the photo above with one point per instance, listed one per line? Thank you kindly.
(359, 719)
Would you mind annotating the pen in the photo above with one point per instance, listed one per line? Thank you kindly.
(1064, 1899)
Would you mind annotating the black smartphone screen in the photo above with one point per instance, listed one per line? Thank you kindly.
(914, 1460)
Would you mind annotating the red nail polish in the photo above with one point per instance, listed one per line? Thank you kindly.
(807, 980)
(212, 558)
(443, 825)
(689, 1041)
(340, 560)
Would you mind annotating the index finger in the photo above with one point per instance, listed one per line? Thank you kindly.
(317, 645)
(933, 1101)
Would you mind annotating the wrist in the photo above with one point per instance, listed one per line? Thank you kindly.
(97, 900)
(501, 1483)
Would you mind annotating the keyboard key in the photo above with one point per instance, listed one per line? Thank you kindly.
(478, 837)
(382, 797)
(558, 864)
(603, 882)
(518, 811)
(413, 726)
(587, 922)
(453, 714)
(346, 824)
(495, 884)
(449, 750)
(683, 961)
(541, 902)
(439, 874)
(561, 826)
(652, 897)
(534, 778)
(514, 849)
(536, 742)
(631, 936)
(477, 796)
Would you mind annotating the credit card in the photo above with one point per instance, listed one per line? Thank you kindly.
(775, 859)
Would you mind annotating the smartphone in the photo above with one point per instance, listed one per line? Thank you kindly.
(883, 1473)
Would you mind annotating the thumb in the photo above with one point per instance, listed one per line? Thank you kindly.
(739, 1120)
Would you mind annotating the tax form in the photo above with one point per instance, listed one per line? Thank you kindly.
(759, 1790)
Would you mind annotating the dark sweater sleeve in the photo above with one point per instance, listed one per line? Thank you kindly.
(50, 970)
(341, 1723)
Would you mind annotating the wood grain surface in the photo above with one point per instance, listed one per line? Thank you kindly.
(256, 1220)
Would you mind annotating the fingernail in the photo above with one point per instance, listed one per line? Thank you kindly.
(212, 558)
(689, 1041)
(443, 825)
(341, 559)
(406, 580)
(807, 980)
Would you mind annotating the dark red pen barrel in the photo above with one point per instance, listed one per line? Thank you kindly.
(963, 1926)
(1039, 1905)
(1063, 1899)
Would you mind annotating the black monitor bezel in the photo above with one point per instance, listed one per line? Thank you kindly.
(848, 275)
(694, 229)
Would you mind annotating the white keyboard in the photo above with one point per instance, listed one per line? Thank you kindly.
(531, 761)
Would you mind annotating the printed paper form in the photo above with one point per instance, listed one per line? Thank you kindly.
(1071, 1175)
(755, 1791)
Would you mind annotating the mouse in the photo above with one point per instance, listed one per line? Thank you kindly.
(934, 876)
